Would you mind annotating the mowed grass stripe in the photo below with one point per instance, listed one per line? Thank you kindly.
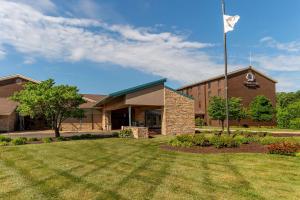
(139, 169)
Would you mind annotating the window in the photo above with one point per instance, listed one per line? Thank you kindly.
(209, 94)
(209, 84)
(190, 92)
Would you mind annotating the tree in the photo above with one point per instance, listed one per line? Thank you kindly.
(217, 109)
(261, 109)
(53, 102)
(236, 109)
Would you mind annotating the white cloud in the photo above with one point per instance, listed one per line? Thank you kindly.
(293, 46)
(41, 5)
(170, 55)
(279, 63)
(29, 60)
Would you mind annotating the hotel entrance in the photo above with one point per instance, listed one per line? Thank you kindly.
(153, 120)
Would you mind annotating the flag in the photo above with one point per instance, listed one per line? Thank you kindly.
(229, 22)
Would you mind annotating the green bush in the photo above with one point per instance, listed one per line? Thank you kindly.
(200, 140)
(47, 140)
(176, 143)
(19, 141)
(126, 133)
(4, 139)
(4, 143)
(284, 148)
(295, 123)
(246, 140)
(270, 140)
(199, 121)
(224, 141)
(185, 138)
(33, 139)
(61, 138)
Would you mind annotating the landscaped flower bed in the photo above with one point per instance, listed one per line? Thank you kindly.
(238, 141)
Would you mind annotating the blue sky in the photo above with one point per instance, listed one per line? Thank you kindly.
(106, 45)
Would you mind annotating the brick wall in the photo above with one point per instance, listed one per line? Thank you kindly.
(7, 123)
(91, 121)
(178, 114)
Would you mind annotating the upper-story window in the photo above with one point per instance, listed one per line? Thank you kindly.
(190, 91)
(209, 94)
(209, 85)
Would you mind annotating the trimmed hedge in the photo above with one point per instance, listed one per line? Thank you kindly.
(126, 133)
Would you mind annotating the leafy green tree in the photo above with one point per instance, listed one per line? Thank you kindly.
(217, 109)
(261, 109)
(283, 117)
(53, 102)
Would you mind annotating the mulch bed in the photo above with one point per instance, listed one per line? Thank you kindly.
(244, 148)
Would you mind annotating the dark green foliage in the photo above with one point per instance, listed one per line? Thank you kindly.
(199, 121)
(4, 139)
(224, 141)
(200, 140)
(295, 123)
(33, 139)
(261, 109)
(126, 133)
(284, 148)
(19, 141)
(217, 109)
(53, 102)
(61, 139)
(47, 140)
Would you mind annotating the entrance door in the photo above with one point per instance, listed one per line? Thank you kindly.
(153, 119)
(119, 118)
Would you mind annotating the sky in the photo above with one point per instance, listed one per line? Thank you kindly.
(103, 46)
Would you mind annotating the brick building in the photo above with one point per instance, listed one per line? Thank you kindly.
(152, 105)
(245, 83)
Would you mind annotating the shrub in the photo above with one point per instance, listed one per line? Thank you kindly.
(4, 143)
(217, 141)
(177, 143)
(33, 139)
(200, 140)
(245, 140)
(47, 140)
(224, 141)
(75, 137)
(126, 133)
(284, 148)
(19, 141)
(185, 138)
(61, 139)
(4, 139)
(199, 121)
(270, 140)
(295, 123)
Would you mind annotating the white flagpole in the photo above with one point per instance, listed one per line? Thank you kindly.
(226, 78)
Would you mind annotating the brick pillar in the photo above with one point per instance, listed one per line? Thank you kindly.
(106, 120)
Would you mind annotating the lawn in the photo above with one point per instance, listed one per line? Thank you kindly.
(138, 169)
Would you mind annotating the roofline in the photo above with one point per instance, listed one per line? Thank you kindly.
(180, 93)
(229, 74)
(131, 90)
(18, 76)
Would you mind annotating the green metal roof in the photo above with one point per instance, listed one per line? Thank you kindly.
(131, 90)
(137, 88)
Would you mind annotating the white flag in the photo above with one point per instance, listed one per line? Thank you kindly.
(229, 22)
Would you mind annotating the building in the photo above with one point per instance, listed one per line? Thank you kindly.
(152, 105)
(246, 83)
(9, 118)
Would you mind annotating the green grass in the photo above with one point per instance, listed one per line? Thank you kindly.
(118, 168)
